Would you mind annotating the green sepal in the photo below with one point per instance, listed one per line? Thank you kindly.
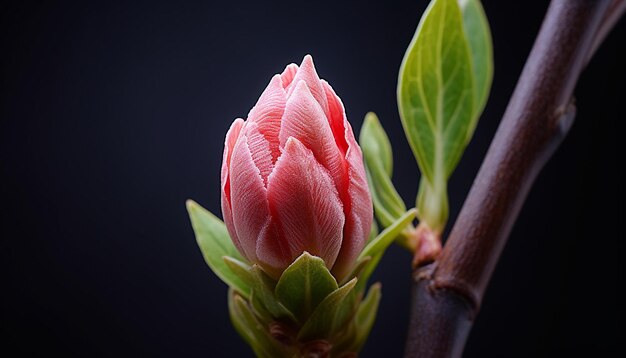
(304, 284)
(263, 288)
(259, 309)
(378, 158)
(377, 247)
(328, 314)
(215, 243)
(253, 331)
(241, 270)
(361, 323)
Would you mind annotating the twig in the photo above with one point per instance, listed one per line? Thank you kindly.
(447, 293)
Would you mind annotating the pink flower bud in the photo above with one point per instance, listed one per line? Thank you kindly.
(293, 178)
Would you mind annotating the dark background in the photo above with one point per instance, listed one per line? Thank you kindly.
(112, 114)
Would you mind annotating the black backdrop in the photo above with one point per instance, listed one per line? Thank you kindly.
(112, 114)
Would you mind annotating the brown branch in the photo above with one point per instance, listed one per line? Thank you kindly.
(447, 294)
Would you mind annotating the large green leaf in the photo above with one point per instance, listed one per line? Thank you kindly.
(378, 159)
(435, 89)
(215, 243)
(479, 40)
(304, 284)
(443, 84)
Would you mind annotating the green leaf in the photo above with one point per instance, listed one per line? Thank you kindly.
(375, 143)
(327, 314)
(258, 309)
(443, 85)
(304, 284)
(378, 159)
(215, 243)
(479, 40)
(263, 287)
(365, 317)
(250, 328)
(436, 90)
(239, 268)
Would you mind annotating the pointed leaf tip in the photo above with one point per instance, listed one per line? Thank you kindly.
(304, 284)
(330, 315)
(378, 159)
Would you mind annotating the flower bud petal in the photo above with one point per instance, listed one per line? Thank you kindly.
(288, 74)
(305, 120)
(357, 200)
(248, 197)
(229, 144)
(307, 73)
(268, 111)
(259, 150)
(305, 206)
(359, 218)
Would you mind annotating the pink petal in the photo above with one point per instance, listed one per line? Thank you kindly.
(259, 149)
(248, 197)
(307, 73)
(305, 120)
(288, 74)
(229, 143)
(336, 117)
(267, 113)
(360, 214)
(305, 205)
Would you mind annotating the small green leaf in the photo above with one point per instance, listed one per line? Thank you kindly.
(304, 284)
(241, 269)
(378, 159)
(375, 142)
(215, 243)
(263, 287)
(376, 248)
(250, 328)
(258, 309)
(479, 40)
(365, 317)
(327, 314)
